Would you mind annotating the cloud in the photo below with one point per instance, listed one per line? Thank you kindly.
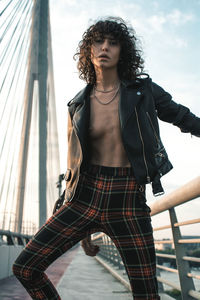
(70, 2)
(179, 18)
(180, 43)
(156, 22)
(175, 17)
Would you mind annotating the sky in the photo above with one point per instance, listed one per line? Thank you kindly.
(169, 33)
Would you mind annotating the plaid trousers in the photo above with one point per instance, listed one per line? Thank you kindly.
(109, 200)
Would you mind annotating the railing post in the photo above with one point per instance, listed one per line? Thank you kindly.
(183, 267)
(109, 249)
(20, 241)
(10, 239)
(160, 284)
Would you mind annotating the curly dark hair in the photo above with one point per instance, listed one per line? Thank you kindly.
(130, 64)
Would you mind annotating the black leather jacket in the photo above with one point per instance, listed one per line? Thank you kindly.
(141, 103)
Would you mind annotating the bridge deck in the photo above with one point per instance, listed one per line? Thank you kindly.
(74, 275)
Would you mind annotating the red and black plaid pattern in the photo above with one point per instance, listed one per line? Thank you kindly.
(106, 200)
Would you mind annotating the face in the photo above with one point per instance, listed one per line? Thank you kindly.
(105, 52)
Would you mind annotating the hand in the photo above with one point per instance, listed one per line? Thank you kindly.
(59, 202)
(89, 248)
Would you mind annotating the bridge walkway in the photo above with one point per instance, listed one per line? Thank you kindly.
(75, 276)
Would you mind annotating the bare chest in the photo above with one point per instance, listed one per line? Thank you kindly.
(104, 119)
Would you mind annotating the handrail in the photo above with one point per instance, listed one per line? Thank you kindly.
(193, 276)
(167, 282)
(189, 241)
(21, 239)
(194, 294)
(171, 256)
(167, 269)
(188, 222)
(188, 258)
(186, 193)
(181, 241)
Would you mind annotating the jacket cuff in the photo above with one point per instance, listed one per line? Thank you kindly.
(191, 123)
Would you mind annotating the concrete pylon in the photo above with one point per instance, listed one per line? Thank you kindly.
(37, 71)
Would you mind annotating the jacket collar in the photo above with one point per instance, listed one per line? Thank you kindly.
(131, 93)
(80, 97)
(139, 81)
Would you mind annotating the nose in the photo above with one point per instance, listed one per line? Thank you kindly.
(105, 45)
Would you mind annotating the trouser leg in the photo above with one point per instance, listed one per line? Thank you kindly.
(63, 230)
(125, 218)
(134, 241)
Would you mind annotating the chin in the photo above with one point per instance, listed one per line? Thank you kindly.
(107, 66)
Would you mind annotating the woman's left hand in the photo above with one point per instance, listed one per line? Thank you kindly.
(88, 247)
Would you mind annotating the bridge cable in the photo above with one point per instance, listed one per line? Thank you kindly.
(18, 71)
(20, 55)
(15, 48)
(1, 13)
(12, 19)
(15, 138)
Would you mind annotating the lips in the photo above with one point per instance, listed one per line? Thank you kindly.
(103, 56)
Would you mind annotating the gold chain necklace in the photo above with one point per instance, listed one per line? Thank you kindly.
(106, 103)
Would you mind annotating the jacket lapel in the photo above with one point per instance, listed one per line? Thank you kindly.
(80, 106)
(131, 94)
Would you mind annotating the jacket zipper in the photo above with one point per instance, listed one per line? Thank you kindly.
(143, 150)
(156, 136)
(73, 123)
(124, 144)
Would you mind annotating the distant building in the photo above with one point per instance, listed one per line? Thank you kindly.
(191, 246)
(168, 244)
(164, 244)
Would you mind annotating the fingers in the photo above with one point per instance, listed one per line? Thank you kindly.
(92, 252)
(89, 248)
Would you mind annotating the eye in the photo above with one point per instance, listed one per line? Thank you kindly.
(98, 40)
(114, 42)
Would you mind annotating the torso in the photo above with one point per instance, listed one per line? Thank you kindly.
(104, 134)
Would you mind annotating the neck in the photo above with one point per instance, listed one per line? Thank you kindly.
(107, 79)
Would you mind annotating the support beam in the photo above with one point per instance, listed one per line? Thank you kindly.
(37, 70)
(183, 267)
(43, 94)
(32, 72)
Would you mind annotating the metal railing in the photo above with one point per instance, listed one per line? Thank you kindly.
(11, 244)
(186, 193)
(9, 238)
(12, 238)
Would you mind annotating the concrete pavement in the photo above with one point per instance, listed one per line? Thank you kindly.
(76, 277)
(87, 279)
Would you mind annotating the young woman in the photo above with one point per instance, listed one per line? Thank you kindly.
(113, 140)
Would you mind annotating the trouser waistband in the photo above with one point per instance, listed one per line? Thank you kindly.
(112, 171)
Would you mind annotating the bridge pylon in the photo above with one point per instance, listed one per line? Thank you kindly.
(39, 83)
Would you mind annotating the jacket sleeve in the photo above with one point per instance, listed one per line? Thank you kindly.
(69, 126)
(172, 112)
